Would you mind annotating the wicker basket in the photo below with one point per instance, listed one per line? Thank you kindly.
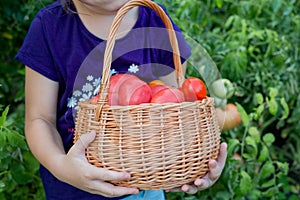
(163, 146)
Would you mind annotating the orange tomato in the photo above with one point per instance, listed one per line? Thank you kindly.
(156, 82)
(228, 118)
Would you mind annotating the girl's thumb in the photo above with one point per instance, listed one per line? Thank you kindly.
(83, 142)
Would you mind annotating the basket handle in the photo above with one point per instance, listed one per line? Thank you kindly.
(104, 86)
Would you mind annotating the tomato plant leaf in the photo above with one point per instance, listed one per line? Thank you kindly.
(251, 141)
(264, 153)
(270, 192)
(273, 106)
(268, 139)
(273, 92)
(219, 3)
(266, 170)
(286, 110)
(244, 115)
(3, 116)
(268, 183)
(15, 139)
(2, 139)
(245, 183)
(232, 143)
(259, 98)
(276, 5)
(253, 131)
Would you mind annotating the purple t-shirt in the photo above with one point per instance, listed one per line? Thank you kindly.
(59, 47)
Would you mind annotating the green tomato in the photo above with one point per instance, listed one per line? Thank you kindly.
(222, 88)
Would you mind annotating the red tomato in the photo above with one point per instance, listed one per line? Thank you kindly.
(115, 82)
(134, 92)
(94, 99)
(168, 95)
(193, 89)
(157, 88)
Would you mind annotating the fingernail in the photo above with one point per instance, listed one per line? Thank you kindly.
(136, 191)
(126, 175)
(198, 182)
(212, 164)
(185, 188)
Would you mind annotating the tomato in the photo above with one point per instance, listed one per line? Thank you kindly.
(134, 92)
(168, 95)
(115, 82)
(222, 88)
(228, 118)
(193, 89)
(156, 82)
(94, 99)
(157, 88)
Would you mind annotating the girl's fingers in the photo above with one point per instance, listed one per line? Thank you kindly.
(108, 190)
(216, 166)
(83, 142)
(97, 173)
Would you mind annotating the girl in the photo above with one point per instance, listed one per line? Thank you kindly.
(61, 38)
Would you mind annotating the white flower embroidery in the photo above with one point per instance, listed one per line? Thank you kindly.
(96, 82)
(87, 87)
(133, 68)
(89, 78)
(77, 93)
(86, 96)
(72, 102)
(90, 88)
(112, 71)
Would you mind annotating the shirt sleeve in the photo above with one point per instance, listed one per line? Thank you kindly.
(35, 52)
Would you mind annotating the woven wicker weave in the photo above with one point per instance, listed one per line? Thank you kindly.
(163, 146)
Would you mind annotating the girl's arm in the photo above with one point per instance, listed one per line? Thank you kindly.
(46, 144)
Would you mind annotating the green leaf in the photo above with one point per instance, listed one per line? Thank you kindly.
(2, 138)
(229, 21)
(283, 167)
(232, 143)
(20, 175)
(250, 141)
(244, 115)
(270, 192)
(15, 139)
(276, 5)
(286, 110)
(245, 183)
(3, 116)
(2, 185)
(273, 106)
(273, 92)
(267, 170)
(259, 98)
(254, 133)
(268, 139)
(269, 183)
(219, 3)
(264, 153)
(259, 110)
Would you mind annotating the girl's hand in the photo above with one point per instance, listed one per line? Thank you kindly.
(76, 171)
(215, 170)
